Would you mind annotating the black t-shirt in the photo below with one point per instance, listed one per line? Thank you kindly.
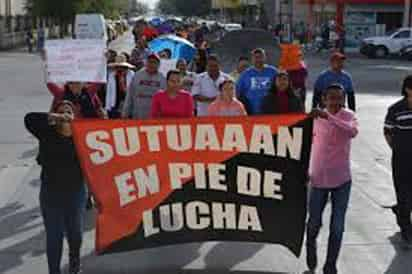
(57, 155)
(398, 123)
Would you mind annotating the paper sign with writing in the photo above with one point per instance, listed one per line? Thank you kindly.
(76, 60)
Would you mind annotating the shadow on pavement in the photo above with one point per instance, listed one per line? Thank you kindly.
(171, 259)
(35, 183)
(219, 255)
(402, 259)
(13, 224)
(224, 272)
(28, 154)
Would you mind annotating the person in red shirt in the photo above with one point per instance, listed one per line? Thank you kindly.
(172, 102)
(84, 98)
(149, 32)
(298, 78)
(281, 97)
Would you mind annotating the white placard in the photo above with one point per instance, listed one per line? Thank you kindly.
(167, 65)
(76, 61)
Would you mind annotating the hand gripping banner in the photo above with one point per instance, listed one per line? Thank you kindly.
(168, 182)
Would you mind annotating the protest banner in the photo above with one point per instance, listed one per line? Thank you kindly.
(76, 61)
(167, 182)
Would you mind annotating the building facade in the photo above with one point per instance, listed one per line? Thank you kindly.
(240, 11)
(13, 22)
(359, 18)
(233, 4)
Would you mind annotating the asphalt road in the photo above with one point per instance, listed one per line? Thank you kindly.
(371, 241)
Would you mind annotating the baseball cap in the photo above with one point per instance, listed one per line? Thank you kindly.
(334, 86)
(153, 56)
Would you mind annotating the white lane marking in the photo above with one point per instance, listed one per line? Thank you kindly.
(393, 67)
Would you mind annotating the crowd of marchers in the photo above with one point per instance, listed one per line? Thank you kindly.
(136, 89)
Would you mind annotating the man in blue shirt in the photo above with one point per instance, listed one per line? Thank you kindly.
(255, 82)
(334, 75)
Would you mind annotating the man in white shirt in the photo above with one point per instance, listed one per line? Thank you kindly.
(206, 86)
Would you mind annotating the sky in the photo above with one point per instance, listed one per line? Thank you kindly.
(151, 3)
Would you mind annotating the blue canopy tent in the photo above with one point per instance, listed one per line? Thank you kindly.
(180, 47)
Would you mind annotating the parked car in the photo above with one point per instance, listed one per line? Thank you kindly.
(232, 27)
(90, 26)
(382, 46)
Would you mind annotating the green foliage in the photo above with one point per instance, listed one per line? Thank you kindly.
(167, 6)
(66, 9)
(185, 7)
(139, 8)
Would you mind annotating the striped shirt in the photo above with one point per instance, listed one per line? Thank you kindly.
(398, 124)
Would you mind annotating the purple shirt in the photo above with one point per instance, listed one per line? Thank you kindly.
(330, 159)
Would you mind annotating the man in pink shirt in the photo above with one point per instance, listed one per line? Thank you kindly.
(330, 174)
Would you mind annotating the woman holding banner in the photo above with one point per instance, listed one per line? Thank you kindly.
(63, 192)
(172, 102)
(226, 103)
(87, 104)
(281, 97)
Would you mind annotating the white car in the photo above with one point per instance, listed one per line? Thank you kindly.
(391, 43)
(90, 26)
(232, 27)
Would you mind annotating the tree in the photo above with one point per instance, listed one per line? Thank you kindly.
(65, 10)
(62, 12)
(184, 7)
(167, 6)
(139, 8)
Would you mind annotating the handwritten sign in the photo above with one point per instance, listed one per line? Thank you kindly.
(76, 61)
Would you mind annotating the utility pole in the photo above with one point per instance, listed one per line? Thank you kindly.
(291, 22)
(407, 14)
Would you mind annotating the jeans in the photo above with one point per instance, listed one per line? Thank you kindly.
(403, 187)
(317, 203)
(63, 213)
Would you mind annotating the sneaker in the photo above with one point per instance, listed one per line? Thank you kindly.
(330, 270)
(74, 266)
